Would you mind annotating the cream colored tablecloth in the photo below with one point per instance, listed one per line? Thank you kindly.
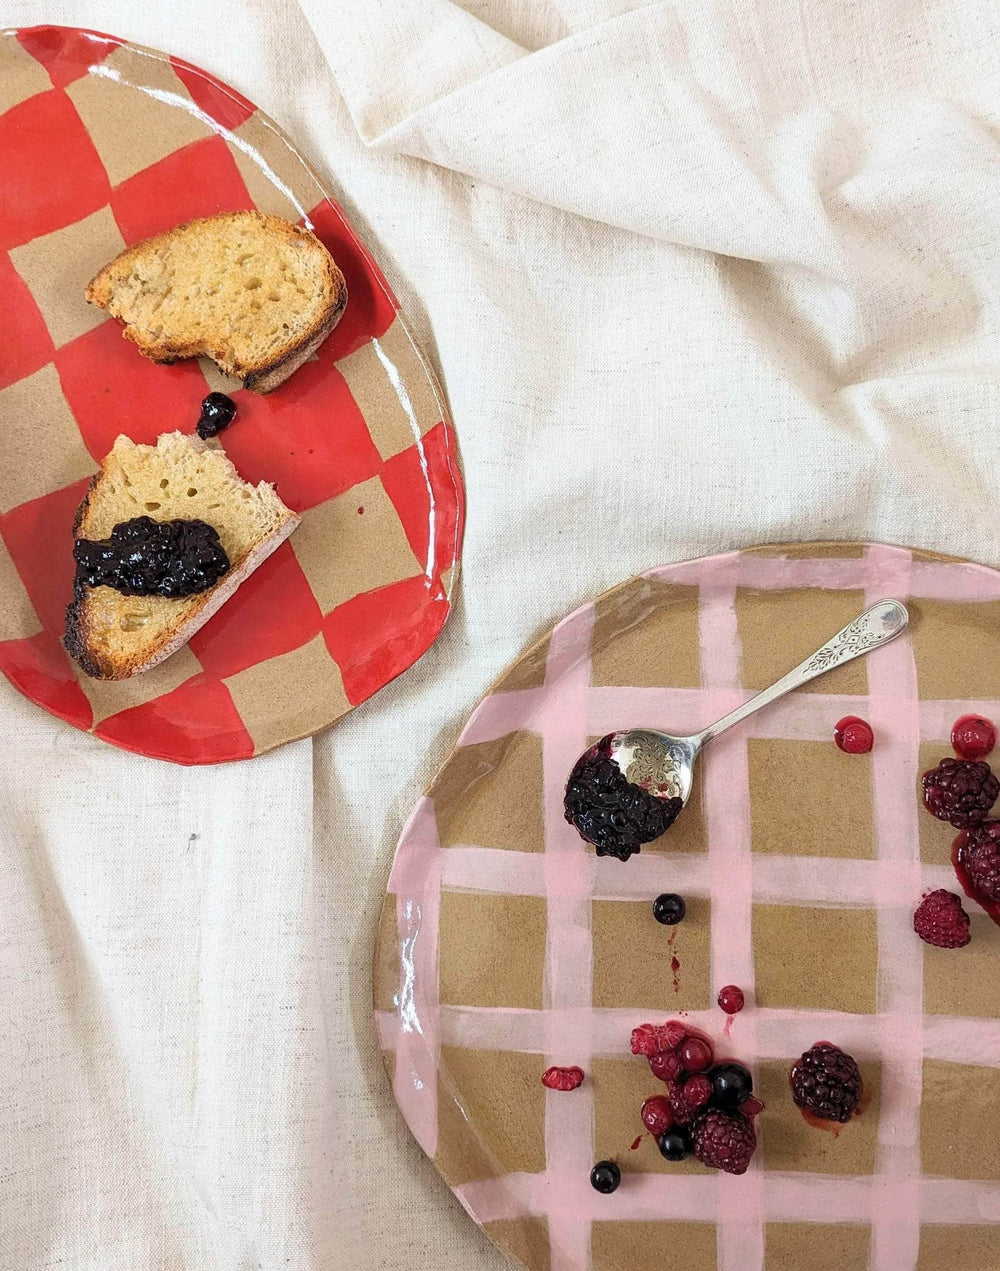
(695, 275)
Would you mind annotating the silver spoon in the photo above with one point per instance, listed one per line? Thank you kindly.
(659, 767)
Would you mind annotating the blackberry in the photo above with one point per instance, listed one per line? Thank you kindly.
(217, 412)
(940, 919)
(609, 811)
(961, 791)
(980, 854)
(605, 1177)
(827, 1082)
(144, 557)
(724, 1140)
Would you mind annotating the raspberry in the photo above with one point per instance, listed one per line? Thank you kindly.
(731, 999)
(656, 1115)
(941, 920)
(654, 1039)
(562, 1078)
(724, 1140)
(610, 811)
(981, 858)
(960, 791)
(827, 1082)
(697, 1091)
(682, 1112)
(695, 1055)
(666, 1066)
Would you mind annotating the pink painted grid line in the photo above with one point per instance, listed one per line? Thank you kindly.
(893, 710)
(740, 1232)
(780, 1033)
(567, 873)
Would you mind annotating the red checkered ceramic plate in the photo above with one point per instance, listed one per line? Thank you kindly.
(507, 945)
(103, 143)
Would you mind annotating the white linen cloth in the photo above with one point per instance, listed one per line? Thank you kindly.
(695, 274)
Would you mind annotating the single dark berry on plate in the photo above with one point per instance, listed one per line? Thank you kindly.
(666, 1065)
(973, 737)
(731, 999)
(827, 1082)
(556, 1078)
(605, 1177)
(724, 1140)
(981, 858)
(732, 1085)
(960, 791)
(669, 909)
(854, 736)
(217, 412)
(695, 1054)
(941, 920)
(656, 1115)
(610, 811)
(697, 1091)
(674, 1144)
(144, 557)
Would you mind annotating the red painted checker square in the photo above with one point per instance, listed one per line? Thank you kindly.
(376, 636)
(111, 388)
(198, 180)
(219, 102)
(405, 483)
(39, 537)
(371, 306)
(50, 173)
(273, 612)
(308, 437)
(196, 723)
(39, 667)
(26, 344)
(65, 53)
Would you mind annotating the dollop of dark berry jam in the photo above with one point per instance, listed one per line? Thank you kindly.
(144, 557)
(610, 811)
(217, 412)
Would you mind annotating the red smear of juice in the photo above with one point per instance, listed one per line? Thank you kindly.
(972, 737)
(820, 1123)
(636, 1143)
(727, 1028)
(675, 965)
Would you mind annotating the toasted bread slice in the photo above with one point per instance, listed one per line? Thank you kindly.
(114, 636)
(256, 294)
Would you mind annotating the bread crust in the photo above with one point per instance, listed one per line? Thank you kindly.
(262, 377)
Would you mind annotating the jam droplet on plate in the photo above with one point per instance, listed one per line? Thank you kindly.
(972, 737)
(854, 736)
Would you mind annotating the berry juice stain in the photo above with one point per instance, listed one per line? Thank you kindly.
(675, 964)
(636, 1144)
(992, 907)
(972, 737)
(820, 1123)
(854, 736)
(727, 1028)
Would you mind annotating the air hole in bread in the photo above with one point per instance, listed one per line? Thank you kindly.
(253, 283)
(164, 483)
(152, 507)
(273, 295)
(192, 492)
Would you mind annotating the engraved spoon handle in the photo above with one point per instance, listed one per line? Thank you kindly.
(876, 626)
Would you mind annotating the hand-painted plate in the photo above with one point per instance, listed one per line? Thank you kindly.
(103, 143)
(506, 945)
